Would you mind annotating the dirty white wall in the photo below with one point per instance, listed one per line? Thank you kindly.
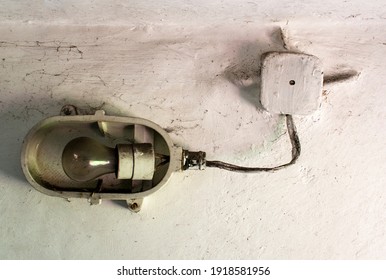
(193, 68)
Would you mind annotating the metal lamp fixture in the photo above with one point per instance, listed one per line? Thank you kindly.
(99, 157)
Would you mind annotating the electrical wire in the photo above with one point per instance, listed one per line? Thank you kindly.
(296, 149)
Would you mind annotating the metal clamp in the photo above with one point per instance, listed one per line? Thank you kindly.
(193, 160)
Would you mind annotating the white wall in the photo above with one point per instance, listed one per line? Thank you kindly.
(192, 67)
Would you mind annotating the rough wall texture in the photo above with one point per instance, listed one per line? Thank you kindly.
(193, 68)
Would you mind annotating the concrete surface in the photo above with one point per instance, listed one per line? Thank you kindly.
(193, 68)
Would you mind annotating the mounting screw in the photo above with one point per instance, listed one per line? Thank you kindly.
(133, 206)
(69, 110)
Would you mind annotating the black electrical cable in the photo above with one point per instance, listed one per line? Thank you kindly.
(296, 149)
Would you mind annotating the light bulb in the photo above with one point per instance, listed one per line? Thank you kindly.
(84, 159)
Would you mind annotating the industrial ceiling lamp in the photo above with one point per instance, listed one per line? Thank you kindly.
(97, 157)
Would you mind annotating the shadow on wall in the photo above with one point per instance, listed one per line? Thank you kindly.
(244, 70)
